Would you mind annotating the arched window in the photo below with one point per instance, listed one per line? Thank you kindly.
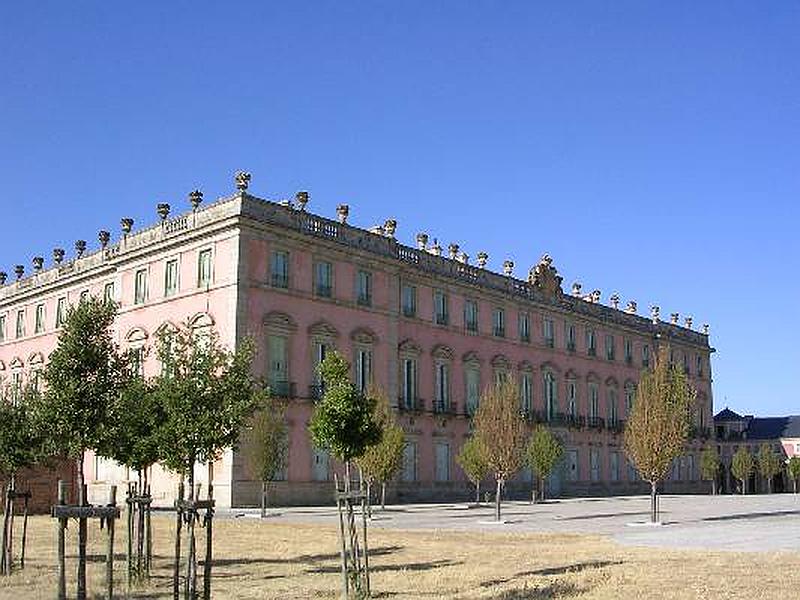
(472, 381)
(550, 395)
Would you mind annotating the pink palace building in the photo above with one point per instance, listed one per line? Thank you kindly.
(420, 321)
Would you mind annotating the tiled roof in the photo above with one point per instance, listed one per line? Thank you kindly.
(774, 427)
(727, 415)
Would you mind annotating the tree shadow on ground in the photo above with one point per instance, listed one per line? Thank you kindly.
(608, 515)
(562, 570)
(752, 515)
(556, 589)
(298, 560)
(422, 566)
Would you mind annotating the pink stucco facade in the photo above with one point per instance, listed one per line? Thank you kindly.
(431, 330)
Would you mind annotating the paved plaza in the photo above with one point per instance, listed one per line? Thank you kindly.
(749, 523)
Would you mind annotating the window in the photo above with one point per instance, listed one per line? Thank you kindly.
(2, 328)
(645, 355)
(690, 474)
(204, 268)
(440, 308)
(612, 407)
(526, 392)
(84, 296)
(38, 326)
(499, 322)
(408, 297)
(108, 292)
(442, 465)
(363, 368)
(550, 395)
(471, 316)
(614, 465)
(61, 311)
(279, 269)
(572, 398)
(594, 403)
(323, 279)
(140, 287)
(569, 334)
(409, 382)
(524, 327)
(320, 465)
(572, 462)
(442, 387)
(137, 361)
(20, 324)
(628, 349)
(610, 347)
(699, 366)
(473, 384)
(320, 352)
(549, 333)
(364, 288)
(591, 343)
(629, 395)
(594, 464)
(171, 277)
(686, 363)
(278, 366)
(409, 472)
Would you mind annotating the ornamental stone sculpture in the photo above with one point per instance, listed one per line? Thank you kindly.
(127, 225)
(655, 312)
(545, 276)
(688, 322)
(673, 318)
(595, 296)
(38, 263)
(422, 241)
(163, 210)
(453, 250)
(342, 212)
(436, 249)
(705, 328)
(508, 267)
(80, 247)
(3, 277)
(242, 179)
(576, 289)
(463, 257)
(104, 237)
(58, 255)
(195, 199)
(302, 199)
(482, 258)
(19, 270)
(389, 227)
(614, 299)
(631, 307)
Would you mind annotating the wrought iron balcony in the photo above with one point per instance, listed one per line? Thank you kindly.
(616, 426)
(410, 404)
(596, 422)
(324, 291)
(444, 407)
(280, 280)
(315, 392)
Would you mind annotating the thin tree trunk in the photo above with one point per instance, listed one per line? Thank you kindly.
(794, 483)
(4, 570)
(543, 480)
(653, 506)
(12, 487)
(714, 487)
(347, 476)
(477, 493)
(383, 495)
(769, 485)
(744, 487)
(82, 534)
(191, 567)
(497, 500)
(263, 498)
(176, 572)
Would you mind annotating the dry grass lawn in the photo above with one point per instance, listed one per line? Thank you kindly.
(268, 559)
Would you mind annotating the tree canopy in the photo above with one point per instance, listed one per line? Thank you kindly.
(543, 453)
(20, 435)
(769, 463)
(382, 460)
(267, 441)
(742, 466)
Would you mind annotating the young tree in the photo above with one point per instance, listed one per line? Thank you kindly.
(344, 421)
(267, 446)
(381, 461)
(769, 464)
(793, 467)
(542, 454)
(658, 425)
(472, 460)
(20, 444)
(207, 393)
(709, 467)
(742, 466)
(502, 431)
(83, 377)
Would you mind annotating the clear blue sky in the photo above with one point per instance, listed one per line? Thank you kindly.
(651, 148)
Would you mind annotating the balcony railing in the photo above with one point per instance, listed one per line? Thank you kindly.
(410, 404)
(596, 422)
(324, 291)
(499, 331)
(576, 421)
(315, 392)
(409, 311)
(571, 346)
(282, 389)
(444, 407)
(550, 342)
(364, 300)
(280, 280)
(616, 426)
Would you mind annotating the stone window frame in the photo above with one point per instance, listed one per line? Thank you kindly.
(501, 368)
(441, 319)
(499, 322)
(176, 258)
(412, 313)
(592, 396)
(110, 285)
(211, 253)
(548, 337)
(316, 286)
(471, 363)
(35, 369)
(525, 370)
(591, 341)
(524, 316)
(571, 382)
(40, 318)
(469, 300)
(364, 301)
(363, 340)
(140, 296)
(441, 441)
(272, 275)
(408, 350)
(442, 359)
(570, 336)
(320, 333)
(3, 319)
(165, 327)
(20, 329)
(279, 324)
(629, 391)
(612, 400)
(136, 340)
(61, 311)
(550, 372)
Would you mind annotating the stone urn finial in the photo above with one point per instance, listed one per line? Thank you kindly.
(104, 237)
(482, 259)
(508, 268)
(302, 199)
(673, 318)
(3, 277)
(655, 313)
(452, 250)
(19, 270)
(389, 227)
(126, 224)
(422, 241)
(436, 249)
(163, 210)
(58, 255)
(342, 212)
(242, 179)
(706, 328)
(38, 263)
(688, 322)
(195, 199)
(595, 296)
(576, 289)
(631, 307)
(614, 299)
(463, 258)
(80, 247)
